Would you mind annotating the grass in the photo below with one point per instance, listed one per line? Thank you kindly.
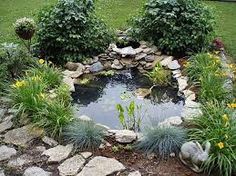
(115, 13)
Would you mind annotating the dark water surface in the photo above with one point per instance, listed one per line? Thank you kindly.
(98, 99)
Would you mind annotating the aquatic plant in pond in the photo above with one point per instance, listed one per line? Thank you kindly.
(132, 120)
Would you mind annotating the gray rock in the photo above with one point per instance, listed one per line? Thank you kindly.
(125, 136)
(173, 65)
(189, 95)
(96, 67)
(101, 166)
(150, 58)
(140, 56)
(36, 171)
(49, 141)
(40, 149)
(70, 83)
(166, 61)
(58, 153)
(6, 152)
(72, 74)
(148, 50)
(127, 51)
(192, 104)
(22, 136)
(1, 172)
(183, 83)
(117, 65)
(5, 125)
(190, 113)
(71, 66)
(171, 121)
(135, 173)
(86, 155)
(138, 50)
(84, 118)
(20, 161)
(71, 166)
(2, 113)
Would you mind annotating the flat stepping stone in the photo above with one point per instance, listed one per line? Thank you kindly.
(36, 171)
(20, 161)
(101, 166)
(6, 152)
(58, 153)
(72, 165)
(5, 125)
(135, 173)
(22, 136)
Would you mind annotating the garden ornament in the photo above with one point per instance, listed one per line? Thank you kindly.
(193, 155)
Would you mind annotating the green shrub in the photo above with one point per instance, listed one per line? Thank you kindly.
(159, 76)
(84, 134)
(25, 28)
(70, 31)
(162, 140)
(217, 124)
(13, 61)
(175, 26)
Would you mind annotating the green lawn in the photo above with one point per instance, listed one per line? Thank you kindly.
(115, 13)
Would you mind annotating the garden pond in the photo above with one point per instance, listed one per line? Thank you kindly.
(98, 99)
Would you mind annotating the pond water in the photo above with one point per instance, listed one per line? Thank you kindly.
(99, 98)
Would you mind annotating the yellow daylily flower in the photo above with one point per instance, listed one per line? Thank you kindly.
(225, 118)
(221, 145)
(19, 84)
(41, 61)
(232, 105)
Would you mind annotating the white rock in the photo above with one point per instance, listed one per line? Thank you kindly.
(101, 166)
(70, 83)
(22, 136)
(58, 153)
(1, 172)
(71, 166)
(175, 121)
(72, 74)
(20, 161)
(182, 82)
(192, 104)
(86, 155)
(135, 173)
(5, 125)
(127, 51)
(189, 95)
(36, 171)
(173, 65)
(125, 136)
(84, 118)
(190, 113)
(166, 61)
(49, 141)
(6, 152)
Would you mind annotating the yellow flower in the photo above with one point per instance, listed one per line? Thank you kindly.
(42, 95)
(232, 105)
(225, 118)
(19, 84)
(41, 61)
(220, 145)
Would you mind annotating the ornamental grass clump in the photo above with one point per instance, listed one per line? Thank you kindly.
(162, 140)
(85, 135)
(175, 26)
(70, 30)
(217, 124)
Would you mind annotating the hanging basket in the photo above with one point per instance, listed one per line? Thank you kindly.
(26, 35)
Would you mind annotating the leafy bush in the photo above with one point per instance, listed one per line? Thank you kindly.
(176, 26)
(70, 31)
(159, 76)
(162, 140)
(217, 124)
(13, 61)
(84, 134)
